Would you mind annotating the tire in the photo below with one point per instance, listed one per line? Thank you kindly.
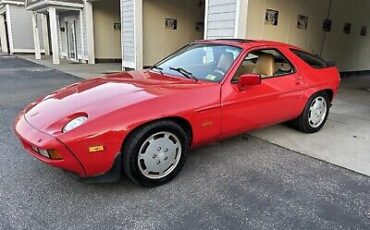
(156, 147)
(312, 121)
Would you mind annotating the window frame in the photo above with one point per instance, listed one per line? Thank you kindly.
(267, 48)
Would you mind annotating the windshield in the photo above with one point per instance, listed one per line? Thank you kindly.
(209, 62)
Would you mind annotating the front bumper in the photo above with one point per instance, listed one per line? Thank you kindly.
(32, 138)
(113, 175)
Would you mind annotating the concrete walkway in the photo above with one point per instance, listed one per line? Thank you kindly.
(85, 71)
(345, 139)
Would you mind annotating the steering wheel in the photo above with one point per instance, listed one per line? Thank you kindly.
(218, 73)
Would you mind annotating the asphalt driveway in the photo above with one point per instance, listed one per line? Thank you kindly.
(240, 183)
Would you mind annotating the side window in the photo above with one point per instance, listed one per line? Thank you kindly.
(315, 62)
(267, 62)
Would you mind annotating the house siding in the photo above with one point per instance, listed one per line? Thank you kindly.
(221, 19)
(128, 31)
(21, 21)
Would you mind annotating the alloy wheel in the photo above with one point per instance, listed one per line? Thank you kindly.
(317, 112)
(159, 155)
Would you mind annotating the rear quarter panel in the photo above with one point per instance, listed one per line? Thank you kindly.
(315, 79)
(323, 79)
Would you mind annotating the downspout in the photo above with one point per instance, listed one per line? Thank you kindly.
(325, 32)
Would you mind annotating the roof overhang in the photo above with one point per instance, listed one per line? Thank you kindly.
(45, 4)
(19, 3)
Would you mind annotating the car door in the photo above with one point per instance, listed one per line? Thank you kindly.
(278, 98)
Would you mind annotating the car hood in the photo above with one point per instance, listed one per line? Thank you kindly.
(101, 96)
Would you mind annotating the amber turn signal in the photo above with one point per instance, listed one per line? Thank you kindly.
(55, 155)
(98, 148)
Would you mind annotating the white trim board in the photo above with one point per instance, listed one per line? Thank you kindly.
(36, 36)
(121, 18)
(206, 19)
(82, 34)
(48, 3)
(3, 35)
(13, 2)
(90, 43)
(241, 13)
(237, 18)
(138, 33)
(10, 32)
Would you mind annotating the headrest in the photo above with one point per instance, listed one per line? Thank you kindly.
(225, 61)
(266, 65)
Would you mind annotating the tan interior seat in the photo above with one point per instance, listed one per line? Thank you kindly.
(249, 67)
(265, 65)
(246, 68)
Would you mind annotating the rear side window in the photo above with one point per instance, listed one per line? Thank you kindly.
(314, 61)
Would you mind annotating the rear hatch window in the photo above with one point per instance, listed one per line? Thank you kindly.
(312, 60)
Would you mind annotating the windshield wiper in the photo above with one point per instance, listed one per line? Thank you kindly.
(157, 68)
(184, 72)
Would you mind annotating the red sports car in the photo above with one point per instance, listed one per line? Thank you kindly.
(143, 123)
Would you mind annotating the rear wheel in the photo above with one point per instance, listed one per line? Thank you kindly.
(314, 115)
(155, 153)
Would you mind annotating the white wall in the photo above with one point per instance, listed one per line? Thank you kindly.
(107, 39)
(159, 41)
(351, 52)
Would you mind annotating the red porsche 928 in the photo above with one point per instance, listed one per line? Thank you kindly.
(143, 123)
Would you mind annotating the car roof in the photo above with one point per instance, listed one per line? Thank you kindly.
(246, 43)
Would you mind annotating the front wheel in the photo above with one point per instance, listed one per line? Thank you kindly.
(155, 153)
(315, 114)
